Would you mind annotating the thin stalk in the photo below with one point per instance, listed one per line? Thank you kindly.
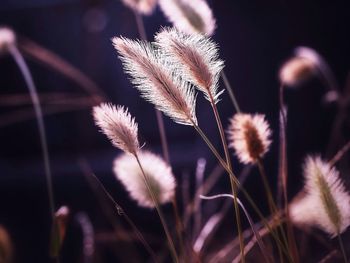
(233, 177)
(22, 65)
(233, 184)
(339, 154)
(121, 212)
(179, 227)
(256, 234)
(341, 244)
(160, 122)
(284, 173)
(271, 202)
(160, 213)
(230, 91)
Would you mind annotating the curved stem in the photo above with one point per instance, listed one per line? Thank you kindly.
(17, 56)
(160, 213)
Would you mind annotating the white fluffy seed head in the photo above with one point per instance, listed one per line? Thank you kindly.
(249, 135)
(296, 71)
(326, 203)
(118, 125)
(145, 7)
(159, 174)
(7, 38)
(157, 81)
(196, 56)
(192, 16)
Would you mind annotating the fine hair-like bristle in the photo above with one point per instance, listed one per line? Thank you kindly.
(7, 37)
(326, 203)
(193, 16)
(145, 7)
(157, 81)
(249, 135)
(118, 125)
(159, 176)
(196, 56)
(296, 71)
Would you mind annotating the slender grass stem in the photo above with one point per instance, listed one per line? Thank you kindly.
(233, 184)
(160, 213)
(233, 177)
(230, 91)
(22, 65)
(121, 212)
(271, 202)
(339, 154)
(179, 227)
(341, 244)
(284, 173)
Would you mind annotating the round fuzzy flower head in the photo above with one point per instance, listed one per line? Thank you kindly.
(296, 71)
(7, 37)
(249, 135)
(189, 16)
(158, 173)
(327, 203)
(118, 125)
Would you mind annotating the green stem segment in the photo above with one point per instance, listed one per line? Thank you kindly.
(160, 213)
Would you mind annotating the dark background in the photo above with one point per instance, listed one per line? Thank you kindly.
(255, 38)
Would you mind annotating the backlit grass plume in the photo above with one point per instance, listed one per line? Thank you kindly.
(196, 56)
(145, 7)
(118, 125)
(157, 82)
(297, 70)
(327, 203)
(193, 16)
(7, 37)
(249, 135)
(159, 175)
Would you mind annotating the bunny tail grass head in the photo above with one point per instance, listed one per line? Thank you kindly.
(193, 16)
(118, 125)
(145, 7)
(249, 135)
(296, 71)
(196, 56)
(157, 80)
(159, 176)
(326, 203)
(7, 38)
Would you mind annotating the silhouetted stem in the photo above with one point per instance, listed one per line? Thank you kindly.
(229, 165)
(230, 91)
(339, 154)
(341, 244)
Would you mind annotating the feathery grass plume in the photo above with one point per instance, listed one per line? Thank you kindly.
(249, 135)
(196, 56)
(145, 7)
(193, 16)
(118, 125)
(158, 83)
(296, 71)
(159, 176)
(7, 38)
(326, 203)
